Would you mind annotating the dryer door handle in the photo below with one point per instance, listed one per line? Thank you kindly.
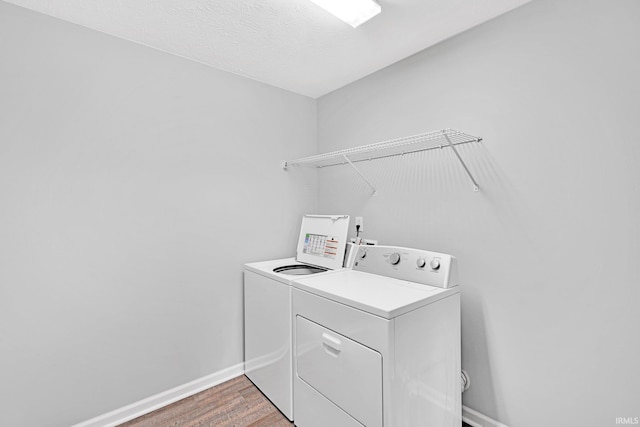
(332, 345)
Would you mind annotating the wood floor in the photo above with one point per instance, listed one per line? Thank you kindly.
(235, 403)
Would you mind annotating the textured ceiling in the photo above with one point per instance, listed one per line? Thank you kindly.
(291, 44)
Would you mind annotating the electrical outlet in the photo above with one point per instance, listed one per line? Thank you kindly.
(360, 222)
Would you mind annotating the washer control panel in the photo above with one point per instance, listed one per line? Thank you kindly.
(413, 265)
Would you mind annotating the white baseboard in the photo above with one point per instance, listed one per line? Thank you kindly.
(476, 419)
(157, 401)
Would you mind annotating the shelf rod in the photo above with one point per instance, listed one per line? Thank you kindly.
(386, 156)
(393, 147)
(361, 176)
(475, 184)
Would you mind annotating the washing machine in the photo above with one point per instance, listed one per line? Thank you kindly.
(379, 345)
(268, 360)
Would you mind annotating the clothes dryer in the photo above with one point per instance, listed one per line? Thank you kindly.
(379, 345)
(267, 304)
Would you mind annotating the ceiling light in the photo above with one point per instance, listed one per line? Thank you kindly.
(353, 12)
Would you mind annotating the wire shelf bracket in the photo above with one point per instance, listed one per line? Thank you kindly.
(361, 176)
(447, 138)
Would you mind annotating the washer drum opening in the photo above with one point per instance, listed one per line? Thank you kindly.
(298, 270)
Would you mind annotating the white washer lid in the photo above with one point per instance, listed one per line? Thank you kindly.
(322, 240)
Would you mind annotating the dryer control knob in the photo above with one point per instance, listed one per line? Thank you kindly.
(435, 264)
(394, 258)
(421, 262)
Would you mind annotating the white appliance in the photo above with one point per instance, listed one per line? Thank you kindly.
(267, 304)
(379, 345)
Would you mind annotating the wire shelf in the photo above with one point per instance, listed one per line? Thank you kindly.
(447, 138)
(380, 150)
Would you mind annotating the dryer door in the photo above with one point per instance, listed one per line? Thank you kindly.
(344, 371)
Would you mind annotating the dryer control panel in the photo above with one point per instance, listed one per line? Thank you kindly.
(413, 265)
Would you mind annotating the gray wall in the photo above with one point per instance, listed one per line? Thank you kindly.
(133, 186)
(548, 249)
